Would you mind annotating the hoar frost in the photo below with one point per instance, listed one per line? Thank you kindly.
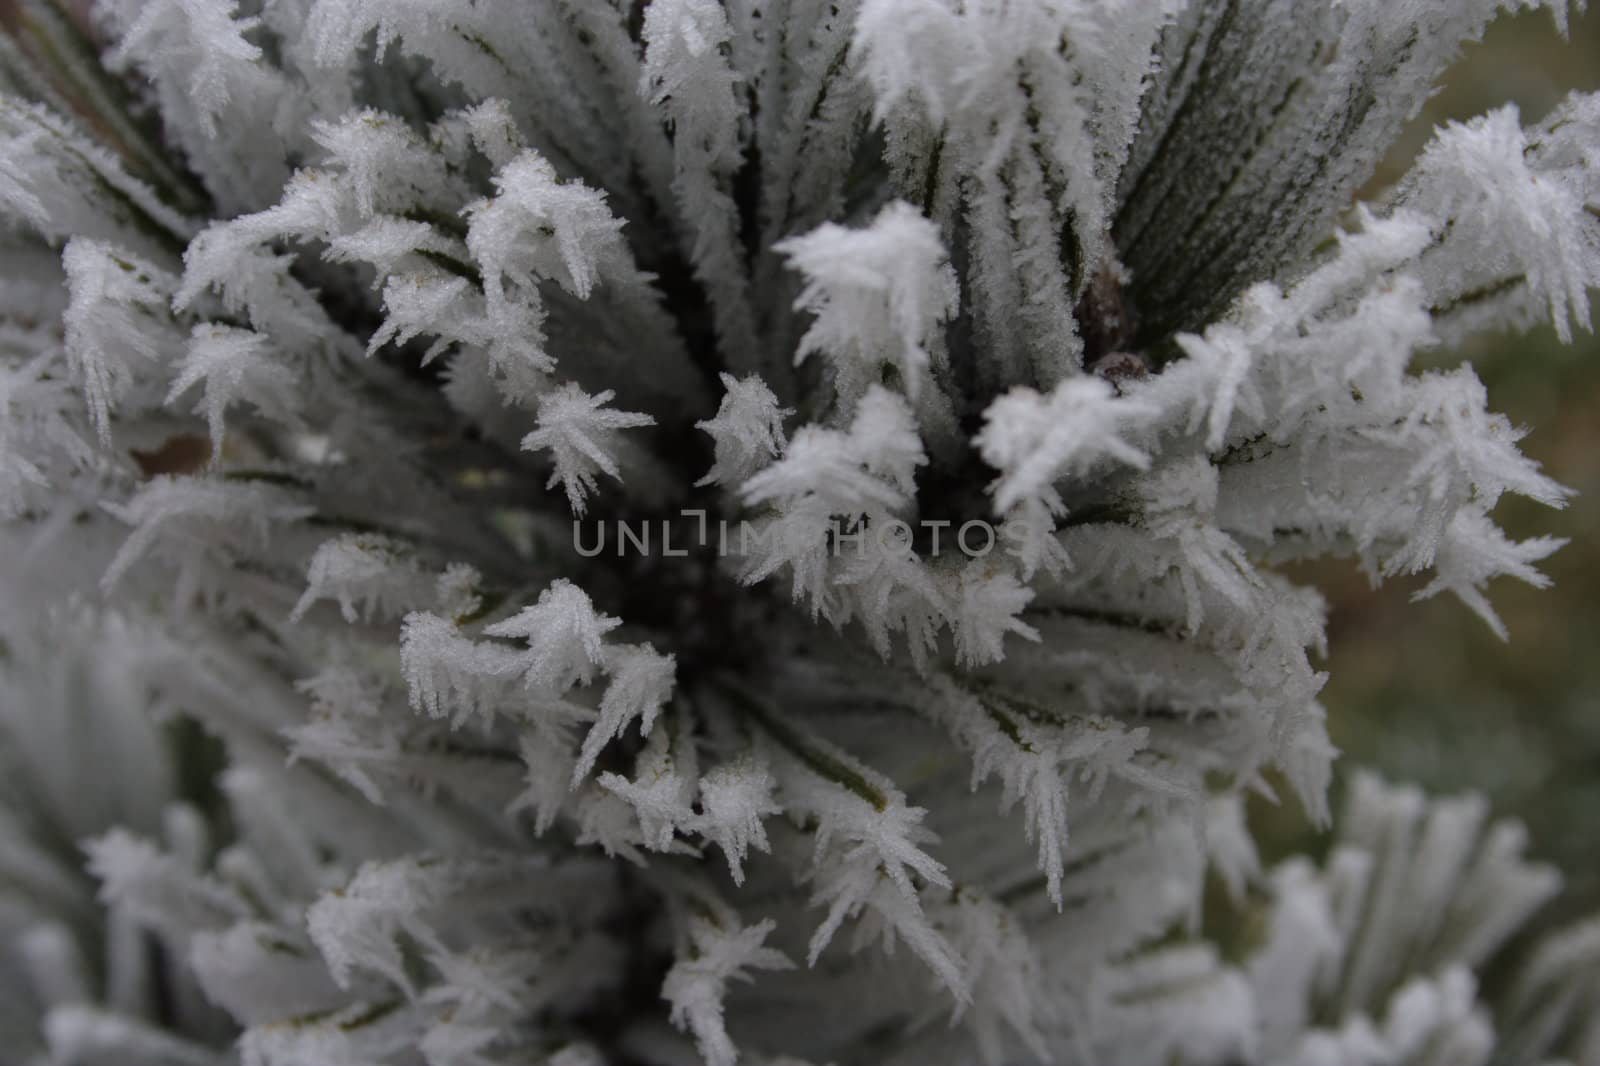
(325, 742)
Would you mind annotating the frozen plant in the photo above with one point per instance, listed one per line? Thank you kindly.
(999, 351)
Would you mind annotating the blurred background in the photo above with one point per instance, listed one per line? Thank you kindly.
(1425, 692)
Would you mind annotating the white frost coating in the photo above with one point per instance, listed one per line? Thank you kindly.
(581, 438)
(868, 289)
(933, 389)
(747, 431)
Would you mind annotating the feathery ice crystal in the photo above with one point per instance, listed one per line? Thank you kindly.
(973, 363)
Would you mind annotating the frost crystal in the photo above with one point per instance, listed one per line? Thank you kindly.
(943, 382)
